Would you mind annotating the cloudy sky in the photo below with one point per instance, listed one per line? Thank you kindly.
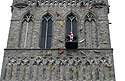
(117, 32)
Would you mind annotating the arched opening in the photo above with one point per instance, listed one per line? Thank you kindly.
(46, 31)
(91, 32)
(25, 38)
(71, 32)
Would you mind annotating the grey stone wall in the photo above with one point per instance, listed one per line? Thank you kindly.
(55, 64)
(92, 61)
(59, 13)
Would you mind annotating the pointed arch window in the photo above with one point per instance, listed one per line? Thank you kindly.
(71, 29)
(91, 32)
(46, 31)
(71, 24)
(25, 39)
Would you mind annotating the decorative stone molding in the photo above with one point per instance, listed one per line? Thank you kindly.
(56, 64)
(61, 3)
(57, 60)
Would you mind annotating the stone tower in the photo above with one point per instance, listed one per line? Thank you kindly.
(59, 40)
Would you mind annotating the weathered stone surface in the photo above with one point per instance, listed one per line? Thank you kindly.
(100, 32)
(92, 61)
(23, 64)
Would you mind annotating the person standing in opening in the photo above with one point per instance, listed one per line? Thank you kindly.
(71, 36)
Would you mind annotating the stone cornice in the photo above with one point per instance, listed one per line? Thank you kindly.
(65, 49)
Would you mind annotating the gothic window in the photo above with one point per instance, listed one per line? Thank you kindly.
(71, 24)
(71, 32)
(46, 31)
(91, 33)
(25, 39)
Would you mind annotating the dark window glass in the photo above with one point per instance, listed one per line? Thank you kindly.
(46, 31)
(68, 25)
(71, 24)
(71, 32)
(74, 23)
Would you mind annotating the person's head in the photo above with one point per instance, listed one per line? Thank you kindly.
(71, 33)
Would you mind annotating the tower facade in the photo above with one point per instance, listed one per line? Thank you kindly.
(59, 40)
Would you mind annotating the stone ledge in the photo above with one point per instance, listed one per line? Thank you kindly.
(64, 49)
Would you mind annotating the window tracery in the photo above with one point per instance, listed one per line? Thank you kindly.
(46, 31)
(26, 31)
(91, 32)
